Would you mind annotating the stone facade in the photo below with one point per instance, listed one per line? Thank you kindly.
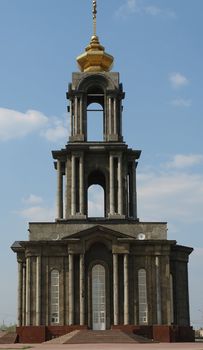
(105, 272)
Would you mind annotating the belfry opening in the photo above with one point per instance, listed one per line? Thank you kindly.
(110, 271)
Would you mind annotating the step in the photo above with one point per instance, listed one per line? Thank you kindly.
(8, 338)
(110, 336)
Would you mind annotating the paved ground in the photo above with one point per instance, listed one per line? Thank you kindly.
(161, 346)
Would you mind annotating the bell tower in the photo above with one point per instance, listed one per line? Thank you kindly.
(111, 272)
(108, 163)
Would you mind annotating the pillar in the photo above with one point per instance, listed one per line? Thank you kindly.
(71, 117)
(76, 116)
(158, 291)
(20, 293)
(67, 191)
(120, 187)
(110, 116)
(115, 289)
(82, 291)
(73, 187)
(81, 180)
(24, 295)
(59, 190)
(111, 192)
(134, 190)
(126, 290)
(81, 115)
(38, 291)
(28, 291)
(115, 116)
(71, 290)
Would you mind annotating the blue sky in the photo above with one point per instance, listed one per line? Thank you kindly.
(158, 50)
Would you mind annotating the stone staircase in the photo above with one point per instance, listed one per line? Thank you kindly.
(95, 337)
(8, 338)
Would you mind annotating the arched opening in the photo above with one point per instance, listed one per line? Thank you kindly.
(96, 195)
(96, 201)
(95, 114)
(98, 297)
(95, 122)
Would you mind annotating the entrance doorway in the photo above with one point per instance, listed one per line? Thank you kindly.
(98, 298)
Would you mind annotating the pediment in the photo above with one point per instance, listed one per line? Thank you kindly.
(97, 230)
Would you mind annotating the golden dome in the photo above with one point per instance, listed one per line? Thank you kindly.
(95, 59)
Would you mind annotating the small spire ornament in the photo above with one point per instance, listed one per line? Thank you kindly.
(94, 11)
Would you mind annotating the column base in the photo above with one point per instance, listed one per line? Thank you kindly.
(116, 216)
(77, 217)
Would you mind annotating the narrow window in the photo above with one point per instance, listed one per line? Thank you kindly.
(142, 290)
(96, 206)
(54, 296)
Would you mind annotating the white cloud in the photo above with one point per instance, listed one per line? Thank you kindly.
(181, 161)
(129, 7)
(171, 195)
(15, 125)
(35, 209)
(153, 10)
(137, 7)
(181, 102)
(57, 130)
(33, 199)
(38, 213)
(178, 80)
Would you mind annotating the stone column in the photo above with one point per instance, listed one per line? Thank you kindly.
(28, 281)
(76, 116)
(110, 116)
(115, 116)
(38, 291)
(71, 289)
(59, 190)
(115, 289)
(67, 190)
(71, 117)
(134, 190)
(126, 290)
(81, 117)
(81, 185)
(82, 291)
(24, 295)
(20, 293)
(158, 291)
(73, 187)
(120, 186)
(111, 192)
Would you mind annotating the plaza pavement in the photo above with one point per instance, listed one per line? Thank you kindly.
(160, 346)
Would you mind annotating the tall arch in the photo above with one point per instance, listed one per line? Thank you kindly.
(97, 198)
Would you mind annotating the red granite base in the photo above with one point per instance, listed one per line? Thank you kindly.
(161, 333)
(40, 334)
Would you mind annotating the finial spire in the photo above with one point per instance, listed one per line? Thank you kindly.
(95, 59)
(94, 11)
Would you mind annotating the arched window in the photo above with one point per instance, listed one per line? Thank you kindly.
(95, 122)
(171, 297)
(142, 292)
(54, 296)
(96, 205)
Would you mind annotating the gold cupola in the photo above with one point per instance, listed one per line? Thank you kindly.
(95, 59)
